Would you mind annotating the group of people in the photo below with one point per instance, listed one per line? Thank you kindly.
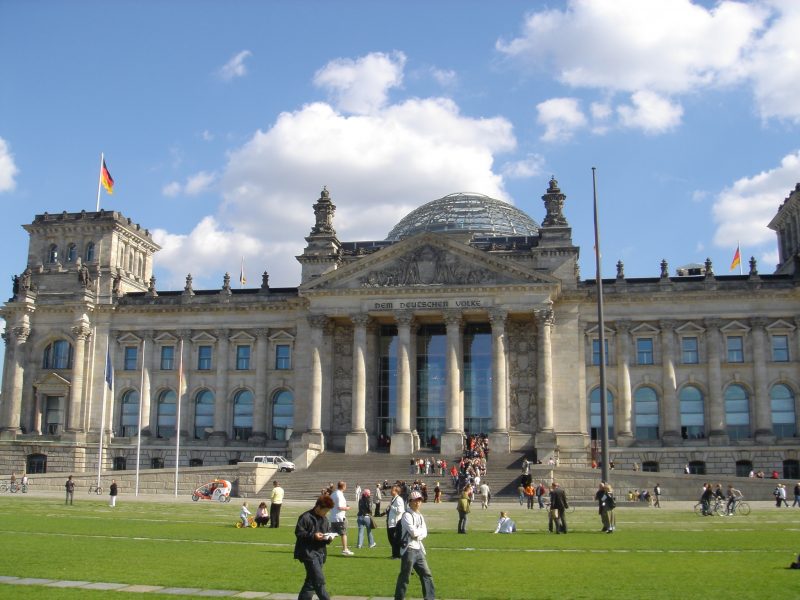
(405, 526)
(529, 490)
(266, 517)
(713, 493)
(427, 466)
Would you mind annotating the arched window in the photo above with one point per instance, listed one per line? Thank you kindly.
(72, 253)
(650, 466)
(129, 415)
(90, 252)
(166, 414)
(595, 413)
(36, 463)
(692, 413)
(743, 468)
(697, 467)
(784, 420)
(791, 469)
(195, 462)
(737, 412)
(282, 415)
(156, 462)
(242, 415)
(203, 414)
(120, 463)
(52, 253)
(646, 410)
(58, 355)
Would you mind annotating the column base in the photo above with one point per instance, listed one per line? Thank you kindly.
(499, 441)
(718, 437)
(9, 434)
(258, 437)
(452, 444)
(672, 438)
(415, 436)
(624, 439)
(216, 438)
(402, 443)
(356, 443)
(306, 447)
(764, 437)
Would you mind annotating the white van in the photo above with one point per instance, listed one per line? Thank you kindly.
(284, 466)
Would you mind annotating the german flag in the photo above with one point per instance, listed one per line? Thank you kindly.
(737, 259)
(106, 179)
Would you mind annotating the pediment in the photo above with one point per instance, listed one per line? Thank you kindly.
(166, 338)
(780, 326)
(428, 260)
(203, 337)
(129, 338)
(51, 382)
(689, 328)
(644, 329)
(281, 336)
(242, 336)
(735, 327)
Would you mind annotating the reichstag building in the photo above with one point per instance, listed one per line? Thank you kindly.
(469, 317)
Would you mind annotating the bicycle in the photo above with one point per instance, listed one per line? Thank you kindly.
(97, 489)
(251, 522)
(716, 507)
(739, 507)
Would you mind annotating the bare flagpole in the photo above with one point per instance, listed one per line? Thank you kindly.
(601, 327)
(109, 380)
(139, 427)
(178, 418)
(99, 181)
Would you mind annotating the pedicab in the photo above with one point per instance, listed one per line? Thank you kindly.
(219, 490)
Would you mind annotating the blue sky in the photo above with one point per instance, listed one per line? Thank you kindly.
(221, 121)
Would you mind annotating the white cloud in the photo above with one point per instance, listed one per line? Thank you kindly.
(743, 210)
(699, 196)
(444, 77)
(650, 112)
(207, 136)
(361, 86)
(235, 67)
(669, 47)
(195, 184)
(561, 117)
(378, 167)
(8, 169)
(530, 166)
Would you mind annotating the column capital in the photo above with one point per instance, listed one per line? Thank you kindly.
(622, 326)
(713, 323)
(148, 334)
(404, 318)
(452, 317)
(498, 316)
(261, 332)
(759, 322)
(360, 320)
(222, 333)
(184, 334)
(317, 321)
(668, 324)
(81, 332)
(21, 334)
(544, 317)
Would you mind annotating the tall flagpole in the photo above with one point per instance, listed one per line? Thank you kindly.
(739, 249)
(99, 181)
(139, 429)
(109, 382)
(601, 326)
(178, 418)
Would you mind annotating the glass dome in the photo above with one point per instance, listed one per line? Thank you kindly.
(465, 213)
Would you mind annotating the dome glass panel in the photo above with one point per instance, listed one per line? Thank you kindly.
(465, 213)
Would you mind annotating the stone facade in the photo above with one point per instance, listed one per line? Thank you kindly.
(418, 340)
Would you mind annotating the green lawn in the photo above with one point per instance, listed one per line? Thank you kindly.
(667, 553)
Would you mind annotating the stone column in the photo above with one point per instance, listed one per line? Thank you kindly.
(452, 442)
(623, 418)
(317, 323)
(544, 323)
(184, 363)
(670, 407)
(81, 333)
(499, 438)
(762, 404)
(148, 368)
(221, 405)
(37, 412)
(12, 384)
(357, 441)
(402, 440)
(717, 435)
(261, 402)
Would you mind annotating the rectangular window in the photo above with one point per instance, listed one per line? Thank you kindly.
(596, 351)
(690, 354)
(131, 353)
(644, 351)
(283, 357)
(167, 358)
(204, 358)
(735, 349)
(54, 415)
(780, 348)
(242, 358)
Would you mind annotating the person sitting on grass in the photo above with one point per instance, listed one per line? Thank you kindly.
(505, 524)
(262, 515)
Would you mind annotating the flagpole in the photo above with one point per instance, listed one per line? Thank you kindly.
(604, 462)
(178, 418)
(99, 182)
(739, 248)
(103, 411)
(139, 429)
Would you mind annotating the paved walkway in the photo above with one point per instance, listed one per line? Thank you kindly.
(143, 589)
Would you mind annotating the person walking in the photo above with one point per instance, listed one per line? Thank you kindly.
(112, 492)
(276, 501)
(486, 495)
(657, 496)
(540, 492)
(377, 499)
(393, 514)
(69, 486)
(313, 536)
(414, 530)
(530, 494)
(364, 519)
(796, 495)
(339, 516)
(558, 507)
(606, 505)
(463, 510)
